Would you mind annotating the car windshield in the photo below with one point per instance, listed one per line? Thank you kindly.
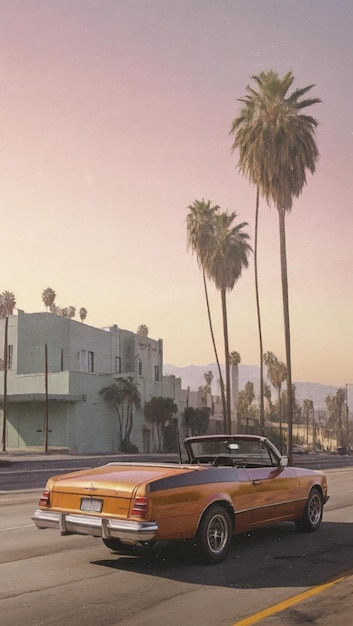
(233, 448)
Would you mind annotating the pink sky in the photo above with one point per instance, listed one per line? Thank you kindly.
(115, 117)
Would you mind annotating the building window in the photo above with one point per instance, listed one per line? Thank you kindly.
(87, 361)
(9, 357)
(139, 367)
(156, 372)
(90, 361)
(118, 365)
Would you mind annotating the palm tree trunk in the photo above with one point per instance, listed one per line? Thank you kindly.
(341, 427)
(130, 422)
(221, 381)
(227, 360)
(285, 298)
(120, 424)
(235, 389)
(159, 436)
(280, 421)
(262, 412)
(126, 429)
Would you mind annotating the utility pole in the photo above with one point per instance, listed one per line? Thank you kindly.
(46, 412)
(347, 417)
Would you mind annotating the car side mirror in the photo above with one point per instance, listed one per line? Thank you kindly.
(283, 462)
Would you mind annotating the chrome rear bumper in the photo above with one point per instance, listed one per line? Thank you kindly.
(71, 524)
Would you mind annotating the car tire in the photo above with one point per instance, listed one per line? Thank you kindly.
(214, 534)
(312, 514)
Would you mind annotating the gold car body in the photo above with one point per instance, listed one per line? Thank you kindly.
(144, 502)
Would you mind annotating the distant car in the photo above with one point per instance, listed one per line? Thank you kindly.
(230, 484)
(344, 451)
(298, 449)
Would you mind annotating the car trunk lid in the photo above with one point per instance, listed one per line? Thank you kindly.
(114, 486)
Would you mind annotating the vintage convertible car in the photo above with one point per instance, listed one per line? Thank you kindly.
(229, 484)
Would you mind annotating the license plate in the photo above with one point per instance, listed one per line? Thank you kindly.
(92, 505)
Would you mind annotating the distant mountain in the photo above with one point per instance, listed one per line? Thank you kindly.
(193, 376)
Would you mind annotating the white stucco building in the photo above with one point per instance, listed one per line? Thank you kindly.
(81, 360)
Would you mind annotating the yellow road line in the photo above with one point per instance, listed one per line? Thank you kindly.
(281, 606)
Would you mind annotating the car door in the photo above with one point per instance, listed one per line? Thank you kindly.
(275, 492)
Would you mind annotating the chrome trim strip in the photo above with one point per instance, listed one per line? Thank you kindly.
(62, 526)
(69, 523)
(266, 506)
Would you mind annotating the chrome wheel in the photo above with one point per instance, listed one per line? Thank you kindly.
(315, 509)
(312, 514)
(214, 534)
(217, 533)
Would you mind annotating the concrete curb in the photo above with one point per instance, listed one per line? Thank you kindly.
(18, 492)
(30, 457)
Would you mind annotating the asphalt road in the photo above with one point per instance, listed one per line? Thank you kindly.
(32, 473)
(48, 580)
(29, 473)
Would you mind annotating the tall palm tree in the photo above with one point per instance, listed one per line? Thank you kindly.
(208, 376)
(277, 148)
(235, 360)
(48, 297)
(277, 374)
(335, 405)
(258, 310)
(242, 166)
(7, 305)
(83, 313)
(142, 330)
(113, 395)
(132, 397)
(249, 393)
(200, 231)
(268, 396)
(71, 311)
(227, 256)
(308, 407)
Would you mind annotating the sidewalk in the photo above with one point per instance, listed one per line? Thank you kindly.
(37, 454)
(20, 455)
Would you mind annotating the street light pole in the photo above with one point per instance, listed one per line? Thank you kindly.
(347, 416)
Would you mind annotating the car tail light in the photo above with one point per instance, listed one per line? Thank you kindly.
(140, 507)
(44, 499)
